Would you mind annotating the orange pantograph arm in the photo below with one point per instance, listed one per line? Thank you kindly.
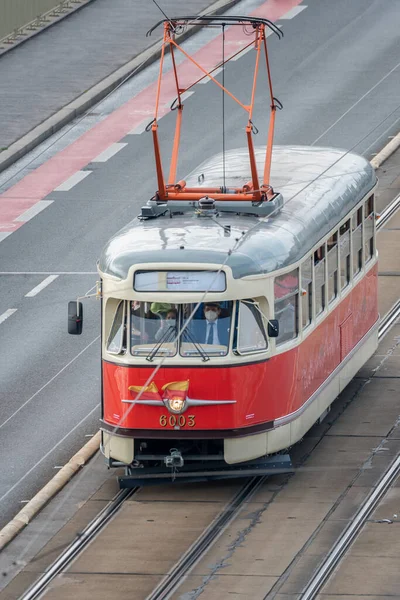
(182, 193)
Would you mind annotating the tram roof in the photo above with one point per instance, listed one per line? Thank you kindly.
(320, 186)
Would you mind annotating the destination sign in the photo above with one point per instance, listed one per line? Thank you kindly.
(179, 281)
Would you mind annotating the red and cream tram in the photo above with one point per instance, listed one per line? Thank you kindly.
(232, 314)
(240, 394)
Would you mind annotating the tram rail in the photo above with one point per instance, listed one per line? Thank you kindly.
(344, 542)
(79, 544)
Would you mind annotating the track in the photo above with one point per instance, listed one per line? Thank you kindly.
(349, 535)
(79, 544)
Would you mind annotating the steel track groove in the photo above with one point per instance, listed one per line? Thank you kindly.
(174, 578)
(341, 546)
(78, 544)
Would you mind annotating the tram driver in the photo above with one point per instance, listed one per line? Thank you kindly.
(214, 328)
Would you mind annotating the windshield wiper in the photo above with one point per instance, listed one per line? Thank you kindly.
(190, 339)
(167, 337)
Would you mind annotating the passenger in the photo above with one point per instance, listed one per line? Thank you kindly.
(214, 327)
(167, 323)
(139, 334)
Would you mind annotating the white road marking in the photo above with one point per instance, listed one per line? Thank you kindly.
(251, 47)
(184, 97)
(21, 479)
(139, 128)
(355, 103)
(7, 314)
(34, 210)
(72, 181)
(50, 380)
(214, 74)
(41, 286)
(4, 235)
(111, 151)
(293, 12)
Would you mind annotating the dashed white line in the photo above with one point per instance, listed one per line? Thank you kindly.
(34, 210)
(7, 314)
(293, 12)
(111, 151)
(41, 286)
(72, 181)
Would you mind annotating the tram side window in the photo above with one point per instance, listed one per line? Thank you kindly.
(356, 225)
(286, 291)
(116, 343)
(251, 335)
(332, 246)
(345, 254)
(319, 277)
(306, 291)
(369, 220)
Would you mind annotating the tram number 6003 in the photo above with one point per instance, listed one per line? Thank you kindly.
(178, 420)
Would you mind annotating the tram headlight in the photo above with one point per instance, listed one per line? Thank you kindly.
(176, 404)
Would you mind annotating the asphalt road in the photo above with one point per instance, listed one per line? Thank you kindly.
(337, 74)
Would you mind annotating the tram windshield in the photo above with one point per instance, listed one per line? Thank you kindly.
(154, 329)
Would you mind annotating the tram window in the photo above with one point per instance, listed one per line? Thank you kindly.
(116, 343)
(306, 291)
(153, 328)
(208, 332)
(357, 241)
(251, 333)
(345, 254)
(319, 277)
(286, 291)
(369, 229)
(332, 244)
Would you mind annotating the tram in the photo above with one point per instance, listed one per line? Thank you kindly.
(234, 314)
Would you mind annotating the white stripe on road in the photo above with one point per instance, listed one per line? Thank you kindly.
(71, 181)
(214, 74)
(41, 286)
(34, 210)
(7, 314)
(111, 151)
(293, 12)
(50, 380)
(4, 235)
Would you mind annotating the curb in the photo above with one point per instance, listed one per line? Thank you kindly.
(24, 36)
(98, 92)
(12, 529)
(387, 151)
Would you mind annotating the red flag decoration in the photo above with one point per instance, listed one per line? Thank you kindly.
(147, 393)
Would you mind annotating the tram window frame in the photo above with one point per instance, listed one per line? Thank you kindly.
(307, 293)
(345, 254)
(320, 288)
(253, 306)
(357, 241)
(121, 348)
(286, 302)
(369, 227)
(333, 267)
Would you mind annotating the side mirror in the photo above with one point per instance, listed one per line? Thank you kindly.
(273, 328)
(75, 317)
